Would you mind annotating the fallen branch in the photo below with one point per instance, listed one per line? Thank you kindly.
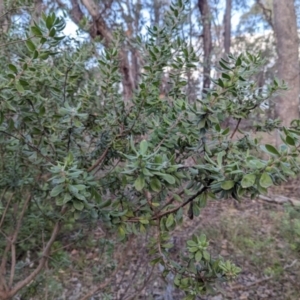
(278, 199)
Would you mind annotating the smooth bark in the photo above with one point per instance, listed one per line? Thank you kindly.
(285, 27)
(207, 41)
(99, 27)
(227, 26)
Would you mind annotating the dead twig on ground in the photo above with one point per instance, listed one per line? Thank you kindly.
(279, 199)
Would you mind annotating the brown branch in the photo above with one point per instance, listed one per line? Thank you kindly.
(236, 128)
(3, 284)
(158, 215)
(3, 261)
(6, 207)
(5, 295)
(155, 217)
(99, 160)
(14, 239)
(171, 200)
(266, 12)
(17, 41)
(99, 28)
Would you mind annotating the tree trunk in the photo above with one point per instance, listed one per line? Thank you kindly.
(4, 18)
(285, 27)
(227, 26)
(207, 41)
(99, 28)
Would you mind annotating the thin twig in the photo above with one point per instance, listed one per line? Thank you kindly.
(181, 205)
(17, 41)
(168, 134)
(158, 215)
(14, 239)
(171, 200)
(6, 207)
(99, 161)
(65, 83)
(236, 128)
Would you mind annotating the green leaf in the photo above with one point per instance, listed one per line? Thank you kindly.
(132, 145)
(170, 221)
(177, 198)
(44, 55)
(78, 205)
(80, 196)
(170, 179)
(122, 231)
(35, 54)
(52, 32)
(206, 255)
(202, 238)
(220, 158)
(49, 22)
(13, 68)
(193, 249)
(265, 180)
(238, 61)
(155, 261)
(144, 221)
(227, 185)
(290, 141)
(143, 147)
(36, 31)
(226, 131)
(24, 83)
(248, 181)
(155, 184)
(272, 150)
(226, 76)
(67, 198)
(146, 172)
(220, 82)
(105, 203)
(191, 243)
(56, 190)
(80, 187)
(19, 87)
(72, 189)
(167, 245)
(224, 66)
(139, 183)
(1, 117)
(30, 45)
(198, 256)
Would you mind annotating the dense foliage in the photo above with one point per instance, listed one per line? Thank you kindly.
(73, 149)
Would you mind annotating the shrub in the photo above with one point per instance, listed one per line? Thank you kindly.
(72, 148)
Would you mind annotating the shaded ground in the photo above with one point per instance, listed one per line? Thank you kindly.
(262, 238)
